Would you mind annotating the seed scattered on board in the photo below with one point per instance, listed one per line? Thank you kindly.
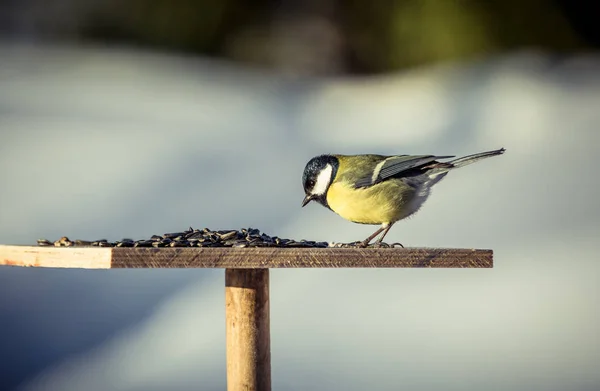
(246, 237)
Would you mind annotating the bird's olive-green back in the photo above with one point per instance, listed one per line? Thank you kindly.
(355, 167)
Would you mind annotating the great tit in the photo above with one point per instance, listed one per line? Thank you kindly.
(376, 189)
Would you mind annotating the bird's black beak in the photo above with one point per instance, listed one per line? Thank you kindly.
(307, 199)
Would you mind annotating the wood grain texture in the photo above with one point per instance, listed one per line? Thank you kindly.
(248, 330)
(243, 258)
(59, 257)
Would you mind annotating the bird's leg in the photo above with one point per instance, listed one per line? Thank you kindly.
(366, 242)
(384, 233)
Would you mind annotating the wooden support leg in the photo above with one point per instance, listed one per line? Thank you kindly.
(248, 330)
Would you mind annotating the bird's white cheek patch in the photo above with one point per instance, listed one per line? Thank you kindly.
(323, 180)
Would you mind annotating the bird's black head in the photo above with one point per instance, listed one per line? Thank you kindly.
(318, 175)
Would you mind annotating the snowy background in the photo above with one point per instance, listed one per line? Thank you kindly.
(98, 143)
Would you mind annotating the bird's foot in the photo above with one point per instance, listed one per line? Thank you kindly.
(387, 245)
(363, 244)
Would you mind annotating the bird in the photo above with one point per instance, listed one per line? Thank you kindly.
(377, 189)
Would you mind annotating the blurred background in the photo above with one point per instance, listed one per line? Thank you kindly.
(127, 119)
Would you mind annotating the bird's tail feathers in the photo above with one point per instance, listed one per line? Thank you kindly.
(465, 160)
(438, 168)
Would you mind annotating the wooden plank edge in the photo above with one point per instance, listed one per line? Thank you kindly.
(56, 257)
(273, 257)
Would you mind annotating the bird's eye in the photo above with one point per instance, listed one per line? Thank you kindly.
(311, 183)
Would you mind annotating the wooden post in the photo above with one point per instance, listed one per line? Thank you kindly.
(248, 329)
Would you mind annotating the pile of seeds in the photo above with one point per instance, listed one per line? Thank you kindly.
(246, 237)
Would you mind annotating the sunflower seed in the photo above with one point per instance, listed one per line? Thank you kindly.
(44, 242)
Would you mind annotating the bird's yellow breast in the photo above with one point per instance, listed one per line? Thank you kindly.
(382, 203)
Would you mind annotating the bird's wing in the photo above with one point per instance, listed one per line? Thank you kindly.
(394, 167)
